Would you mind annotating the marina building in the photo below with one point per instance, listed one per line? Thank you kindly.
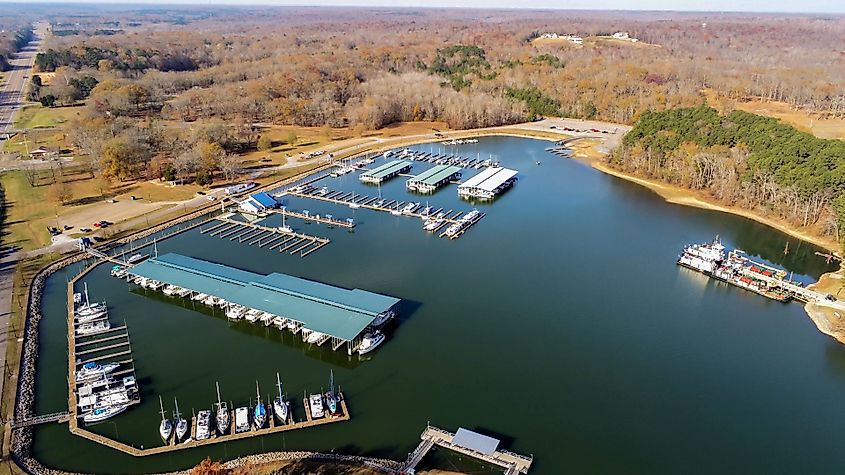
(386, 171)
(433, 178)
(342, 315)
(258, 203)
(487, 184)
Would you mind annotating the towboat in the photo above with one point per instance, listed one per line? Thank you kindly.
(370, 342)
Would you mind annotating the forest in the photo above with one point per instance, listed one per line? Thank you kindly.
(742, 159)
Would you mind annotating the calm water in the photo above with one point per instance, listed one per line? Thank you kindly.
(560, 323)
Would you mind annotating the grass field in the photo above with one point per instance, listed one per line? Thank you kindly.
(24, 142)
(36, 116)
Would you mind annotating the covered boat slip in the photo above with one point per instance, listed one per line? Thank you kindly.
(488, 183)
(433, 178)
(386, 171)
(342, 314)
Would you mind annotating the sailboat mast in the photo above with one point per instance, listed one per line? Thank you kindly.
(217, 385)
(176, 403)
(87, 302)
(161, 405)
(279, 384)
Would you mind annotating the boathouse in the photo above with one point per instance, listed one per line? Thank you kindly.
(433, 178)
(386, 171)
(487, 184)
(343, 315)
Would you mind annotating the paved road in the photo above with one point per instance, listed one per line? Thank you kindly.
(12, 96)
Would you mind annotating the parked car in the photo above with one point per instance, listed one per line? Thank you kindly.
(210, 198)
(201, 193)
(85, 230)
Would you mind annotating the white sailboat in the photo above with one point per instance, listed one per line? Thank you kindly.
(280, 406)
(284, 227)
(181, 423)
(222, 415)
(260, 414)
(165, 429)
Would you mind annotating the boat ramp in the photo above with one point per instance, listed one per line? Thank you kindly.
(258, 235)
(469, 443)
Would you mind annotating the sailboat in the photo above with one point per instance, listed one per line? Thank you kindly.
(222, 413)
(331, 398)
(280, 407)
(260, 414)
(284, 227)
(166, 426)
(181, 423)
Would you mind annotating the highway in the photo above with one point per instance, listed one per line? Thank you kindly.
(12, 95)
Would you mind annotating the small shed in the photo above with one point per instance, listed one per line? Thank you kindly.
(474, 441)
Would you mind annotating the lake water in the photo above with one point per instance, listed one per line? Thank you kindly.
(559, 323)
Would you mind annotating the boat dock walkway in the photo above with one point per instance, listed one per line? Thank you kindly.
(369, 202)
(442, 159)
(272, 237)
(42, 419)
(471, 444)
(191, 442)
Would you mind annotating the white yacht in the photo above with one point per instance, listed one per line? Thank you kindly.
(280, 322)
(101, 414)
(93, 328)
(136, 258)
(169, 289)
(199, 297)
(410, 208)
(432, 224)
(370, 342)
(252, 315)
(210, 301)
(396, 212)
(267, 318)
(235, 312)
(383, 318)
(90, 317)
(91, 371)
(704, 258)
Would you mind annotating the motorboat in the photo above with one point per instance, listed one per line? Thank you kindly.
(371, 342)
(181, 423)
(235, 312)
(222, 417)
(165, 428)
(259, 416)
(210, 301)
(315, 337)
(241, 419)
(136, 258)
(383, 318)
(252, 315)
(93, 328)
(183, 292)
(280, 322)
(432, 224)
(315, 403)
(203, 429)
(396, 212)
(90, 317)
(101, 414)
(267, 318)
(199, 297)
(410, 208)
(92, 371)
(280, 406)
(169, 290)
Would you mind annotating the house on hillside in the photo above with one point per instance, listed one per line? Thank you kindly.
(258, 203)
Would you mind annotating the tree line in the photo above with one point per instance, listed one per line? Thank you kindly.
(742, 159)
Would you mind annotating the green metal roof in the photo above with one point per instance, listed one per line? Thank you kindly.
(387, 169)
(339, 312)
(436, 174)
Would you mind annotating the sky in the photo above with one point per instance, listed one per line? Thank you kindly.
(787, 6)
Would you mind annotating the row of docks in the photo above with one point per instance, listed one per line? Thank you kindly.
(433, 178)
(441, 158)
(103, 381)
(273, 238)
(385, 172)
(560, 151)
(356, 200)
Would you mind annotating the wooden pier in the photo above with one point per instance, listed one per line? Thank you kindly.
(511, 462)
(324, 219)
(256, 234)
(216, 439)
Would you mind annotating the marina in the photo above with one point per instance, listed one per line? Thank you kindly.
(572, 304)
(274, 238)
(438, 158)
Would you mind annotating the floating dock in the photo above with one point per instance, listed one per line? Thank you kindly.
(273, 238)
(487, 184)
(433, 178)
(468, 443)
(442, 158)
(343, 315)
(386, 171)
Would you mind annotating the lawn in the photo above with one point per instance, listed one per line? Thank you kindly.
(37, 116)
(24, 142)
